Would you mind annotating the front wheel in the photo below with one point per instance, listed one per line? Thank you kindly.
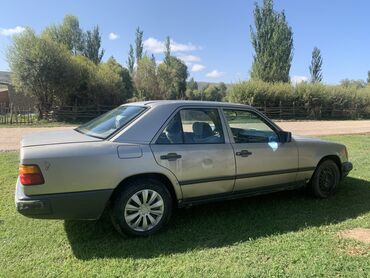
(325, 180)
(142, 207)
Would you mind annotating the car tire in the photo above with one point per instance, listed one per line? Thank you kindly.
(325, 180)
(141, 207)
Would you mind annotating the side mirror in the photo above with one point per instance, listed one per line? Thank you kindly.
(285, 136)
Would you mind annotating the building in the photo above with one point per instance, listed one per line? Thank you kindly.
(8, 94)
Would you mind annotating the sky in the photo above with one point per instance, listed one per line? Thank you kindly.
(212, 37)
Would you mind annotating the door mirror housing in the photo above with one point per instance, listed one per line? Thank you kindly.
(285, 136)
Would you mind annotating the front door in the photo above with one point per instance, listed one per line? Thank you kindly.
(193, 146)
(261, 160)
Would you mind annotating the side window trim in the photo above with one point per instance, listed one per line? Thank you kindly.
(226, 136)
(274, 128)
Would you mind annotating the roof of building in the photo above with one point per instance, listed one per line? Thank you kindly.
(5, 77)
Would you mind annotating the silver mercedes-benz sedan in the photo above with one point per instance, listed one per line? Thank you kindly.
(141, 160)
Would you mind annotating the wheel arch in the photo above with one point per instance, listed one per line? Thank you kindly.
(176, 196)
(334, 158)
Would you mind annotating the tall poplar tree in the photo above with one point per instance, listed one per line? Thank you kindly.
(92, 48)
(272, 40)
(131, 60)
(315, 67)
(139, 44)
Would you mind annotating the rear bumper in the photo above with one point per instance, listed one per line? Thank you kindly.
(346, 168)
(74, 205)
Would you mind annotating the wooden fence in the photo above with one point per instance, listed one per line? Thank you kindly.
(319, 112)
(79, 114)
(28, 115)
(16, 114)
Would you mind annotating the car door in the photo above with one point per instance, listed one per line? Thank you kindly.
(261, 160)
(193, 146)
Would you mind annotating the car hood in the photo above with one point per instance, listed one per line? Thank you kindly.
(306, 139)
(56, 137)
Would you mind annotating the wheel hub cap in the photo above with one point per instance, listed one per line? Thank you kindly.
(144, 210)
(326, 179)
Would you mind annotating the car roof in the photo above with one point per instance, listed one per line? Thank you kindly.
(178, 103)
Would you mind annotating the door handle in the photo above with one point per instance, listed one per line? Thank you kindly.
(243, 153)
(170, 156)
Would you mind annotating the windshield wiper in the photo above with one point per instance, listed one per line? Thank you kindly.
(85, 133)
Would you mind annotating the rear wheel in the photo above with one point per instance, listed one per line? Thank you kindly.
(142, 207)
(325, 180)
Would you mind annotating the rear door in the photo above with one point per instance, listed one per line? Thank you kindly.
(193, 146)
(261, 160)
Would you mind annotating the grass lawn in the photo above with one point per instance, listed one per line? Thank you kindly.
(283, 234)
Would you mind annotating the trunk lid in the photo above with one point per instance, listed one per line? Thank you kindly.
(56, 137)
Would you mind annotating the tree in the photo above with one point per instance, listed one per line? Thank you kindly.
(146, 82)
(68, 33)
(167, 52)
(368, 77)
(104, 84)
(131, 60)
(223, 89)
(172, 75)
(153, 59)
(191, 87)
(41, 68)
(272, 41)
(139, 44)
(124, 85)
(192, 84)
(87, 89)
(114, 82)
(315, 67)
(357, 84)
(92, 45)
(211, 93)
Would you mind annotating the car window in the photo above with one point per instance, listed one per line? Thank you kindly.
(106, 124)
(248, 127)
(193, 126)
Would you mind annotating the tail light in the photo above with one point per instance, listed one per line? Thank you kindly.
(30, 175)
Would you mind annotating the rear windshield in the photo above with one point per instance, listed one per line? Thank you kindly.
(108, 123)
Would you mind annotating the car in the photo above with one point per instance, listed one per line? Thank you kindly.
(142, 160)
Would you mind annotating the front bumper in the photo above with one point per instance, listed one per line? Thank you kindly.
(346, 168)
(74, 205)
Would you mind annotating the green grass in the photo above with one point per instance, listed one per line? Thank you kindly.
(284, 234)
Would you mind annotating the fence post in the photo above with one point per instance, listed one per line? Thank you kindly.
(11, 113)
(16, 115)
(280, 110)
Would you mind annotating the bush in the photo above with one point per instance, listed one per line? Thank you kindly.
(317, 100)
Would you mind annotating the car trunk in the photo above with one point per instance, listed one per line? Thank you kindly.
(56, 137)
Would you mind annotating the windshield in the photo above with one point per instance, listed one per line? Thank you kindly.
(108, 123)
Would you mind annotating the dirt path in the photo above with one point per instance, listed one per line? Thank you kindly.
(10, 137)
(316, 128)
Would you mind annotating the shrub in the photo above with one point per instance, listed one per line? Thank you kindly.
(317, 100)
